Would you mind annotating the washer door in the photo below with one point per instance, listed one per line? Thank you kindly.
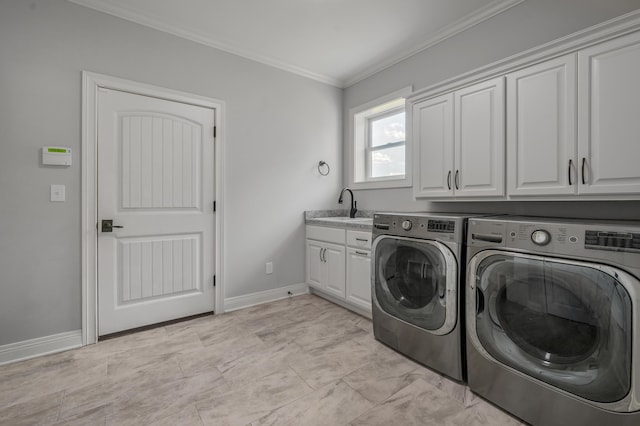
(566, 323)
(416, 281)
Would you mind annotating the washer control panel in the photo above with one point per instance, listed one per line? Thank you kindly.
(608, 240)
(540, 237)
(529, 235)
(612, 242)
(417, 226)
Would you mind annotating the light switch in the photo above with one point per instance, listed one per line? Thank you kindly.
(57, 193)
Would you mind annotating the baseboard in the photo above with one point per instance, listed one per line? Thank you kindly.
(19, 351)
(239, 302)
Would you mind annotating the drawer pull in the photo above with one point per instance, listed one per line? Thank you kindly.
(364, 240)
(361, 253)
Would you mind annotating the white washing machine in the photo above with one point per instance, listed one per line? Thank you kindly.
(553, 319)
(416, 271)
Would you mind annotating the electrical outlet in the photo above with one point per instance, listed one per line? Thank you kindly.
(269, 268)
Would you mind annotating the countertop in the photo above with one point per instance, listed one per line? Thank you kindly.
(340, 219)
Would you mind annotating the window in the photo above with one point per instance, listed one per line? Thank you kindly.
(386, 144)
(379, 150)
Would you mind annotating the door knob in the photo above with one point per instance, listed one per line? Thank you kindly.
(107, 225)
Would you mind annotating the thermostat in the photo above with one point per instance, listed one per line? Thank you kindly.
(56, 156)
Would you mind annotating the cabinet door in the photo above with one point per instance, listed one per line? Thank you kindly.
(608, 122)
(479, 140)
(359, 277)
(541, 136)
(314, 263)
(334, 266)
(432, 138)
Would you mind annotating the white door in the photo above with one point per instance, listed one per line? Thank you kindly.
(335, 265)
(156, 183)
(314, 263)
(479, 140)
(359, 277)
(432, 130)
(541, 128)
(608, 129)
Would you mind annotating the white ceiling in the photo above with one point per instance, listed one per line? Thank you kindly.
(339, 42)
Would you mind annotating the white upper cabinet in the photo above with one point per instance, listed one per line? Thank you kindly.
(432, 132)
(572, 128)
(479, 140)
(608, 117)
(459, 143)
(541, 129)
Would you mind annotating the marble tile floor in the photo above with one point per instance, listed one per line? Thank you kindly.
(298, 361)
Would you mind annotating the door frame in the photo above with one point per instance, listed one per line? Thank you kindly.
(89, 200)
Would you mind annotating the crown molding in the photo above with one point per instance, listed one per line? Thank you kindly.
(461, 25)
(470, 20)
(138, 18)
(613, 28)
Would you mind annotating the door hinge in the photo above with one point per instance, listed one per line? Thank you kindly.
(214, 206)
(214, 280)
(215, 131)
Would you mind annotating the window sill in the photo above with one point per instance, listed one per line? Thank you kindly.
(381, 184)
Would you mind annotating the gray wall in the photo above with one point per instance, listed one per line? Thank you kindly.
(530, 24)
(278, 126)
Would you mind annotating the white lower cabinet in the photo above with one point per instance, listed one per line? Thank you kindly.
(338, 264)
(359, 277)
(334, 269)
(325, 263)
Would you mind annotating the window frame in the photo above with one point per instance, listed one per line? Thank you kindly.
(359, 147)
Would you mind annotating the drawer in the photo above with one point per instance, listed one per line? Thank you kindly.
(330, 235)
(359, 239)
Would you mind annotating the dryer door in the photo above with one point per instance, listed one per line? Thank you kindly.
(566, 323)
(416, 281)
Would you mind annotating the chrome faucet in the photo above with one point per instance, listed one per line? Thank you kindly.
(353, 210)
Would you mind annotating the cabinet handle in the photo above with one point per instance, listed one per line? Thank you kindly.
(569, 172)
(584, 162)
(457, 179)
(361, 253)
(449, 180)
(364, 240)
(322, 258)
